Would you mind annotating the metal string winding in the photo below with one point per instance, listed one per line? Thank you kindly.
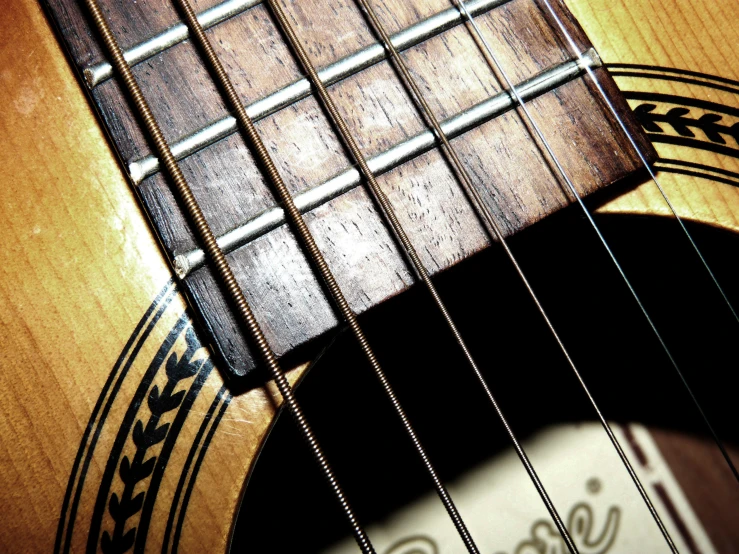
(223, 269)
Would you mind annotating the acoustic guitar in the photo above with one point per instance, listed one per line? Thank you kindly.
(134, 403)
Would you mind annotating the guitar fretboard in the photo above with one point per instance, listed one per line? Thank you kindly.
(497, 149)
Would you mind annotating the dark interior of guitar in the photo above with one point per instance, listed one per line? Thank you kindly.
(613, 346)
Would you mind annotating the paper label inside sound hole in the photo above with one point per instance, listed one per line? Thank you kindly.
(588, 484)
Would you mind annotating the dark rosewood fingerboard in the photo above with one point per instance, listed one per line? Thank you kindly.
(500, 155)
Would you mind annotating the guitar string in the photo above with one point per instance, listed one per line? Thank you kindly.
(534, 129)
(491, 224)
(307, 240)
(221, 266)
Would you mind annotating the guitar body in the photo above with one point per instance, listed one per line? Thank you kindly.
(113, 415)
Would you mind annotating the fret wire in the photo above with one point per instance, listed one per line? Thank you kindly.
(306, 238)
(423, 107)
(560, 170)
(142, 168)
(221, 265)
(385, 161)
(99, 73)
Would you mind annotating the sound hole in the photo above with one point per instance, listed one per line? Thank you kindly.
(287, 508)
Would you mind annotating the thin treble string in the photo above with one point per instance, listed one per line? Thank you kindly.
(221, 266)
(560, 170)
(493, 228)
(642, 491)
(653, 176)
(622, 124)
(307, 240)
